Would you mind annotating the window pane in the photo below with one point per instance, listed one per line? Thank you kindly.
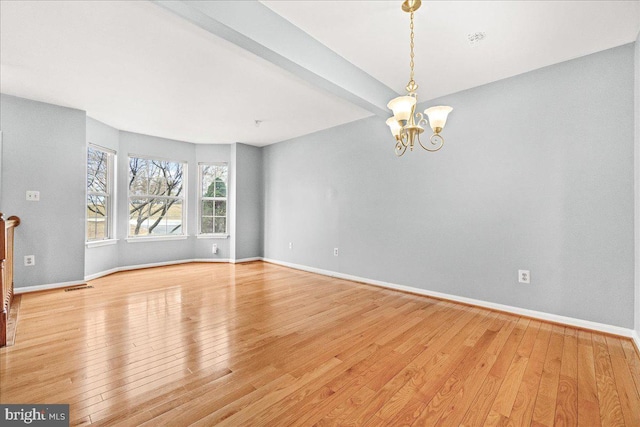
(207, 208)
(206, 225)
(156, 167)
(174, 178)
(91, 229)
(157, 213)
(138, 216)
(155, 216)
(101, 228)
(158, 186)
(97, 164)
(138, 176)
(207, 179)
(221, 188)
(220, 225)
(221, 208)
(214, 178)
(174, 188)
(97, 224)
(96, 206)
(174, 217)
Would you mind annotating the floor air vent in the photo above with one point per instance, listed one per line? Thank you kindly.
(77, 288)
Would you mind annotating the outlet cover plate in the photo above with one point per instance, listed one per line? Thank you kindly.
(33, 196)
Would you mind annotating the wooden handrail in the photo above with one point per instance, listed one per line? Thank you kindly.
(6, 274)
(11, 222)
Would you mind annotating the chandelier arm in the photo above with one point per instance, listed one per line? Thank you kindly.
(436, 145)
(404, 138)
(400, 148)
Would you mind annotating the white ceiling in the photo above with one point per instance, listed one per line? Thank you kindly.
(139, 67)
(520, 36)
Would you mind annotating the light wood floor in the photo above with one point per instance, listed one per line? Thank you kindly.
(259, 344)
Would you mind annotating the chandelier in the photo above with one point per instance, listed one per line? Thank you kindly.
(406, 124)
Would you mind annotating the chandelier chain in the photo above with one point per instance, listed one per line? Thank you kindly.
(411, 62)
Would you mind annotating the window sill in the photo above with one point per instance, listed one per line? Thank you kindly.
(212, 236)
(98, 243)
(155, 239)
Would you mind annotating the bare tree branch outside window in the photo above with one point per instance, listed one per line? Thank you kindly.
(155, 197)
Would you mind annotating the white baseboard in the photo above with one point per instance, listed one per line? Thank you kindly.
(26, 289)
(210, 260)
(569, 321)
(636, 340)
(240, 261)
(155, 264)
(102, 273)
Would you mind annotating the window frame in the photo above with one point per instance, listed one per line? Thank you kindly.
(183, 198)
(109, 195)
(202, 198)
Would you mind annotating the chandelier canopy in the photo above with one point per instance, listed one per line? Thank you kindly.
(406, 124)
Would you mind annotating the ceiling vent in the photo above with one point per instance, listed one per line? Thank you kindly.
(476, 38)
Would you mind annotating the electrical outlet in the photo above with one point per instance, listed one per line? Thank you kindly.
(335, 251)
(290, 245)
(214, 249)
(524, 276)
(33, 196)
(29, 260)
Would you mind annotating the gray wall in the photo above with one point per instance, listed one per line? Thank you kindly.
(44, 150)
(536, 173)
(249, 202)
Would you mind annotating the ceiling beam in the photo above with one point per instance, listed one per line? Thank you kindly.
(257, 29)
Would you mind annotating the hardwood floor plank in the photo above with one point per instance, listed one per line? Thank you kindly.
(628, 395)
(353, 404)
(522, 410)
(588, 404)
(567, 398)
(259, 344)
(610, 408)
(503, 404)
(479, 409)
(544, 409)
(633, 360)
